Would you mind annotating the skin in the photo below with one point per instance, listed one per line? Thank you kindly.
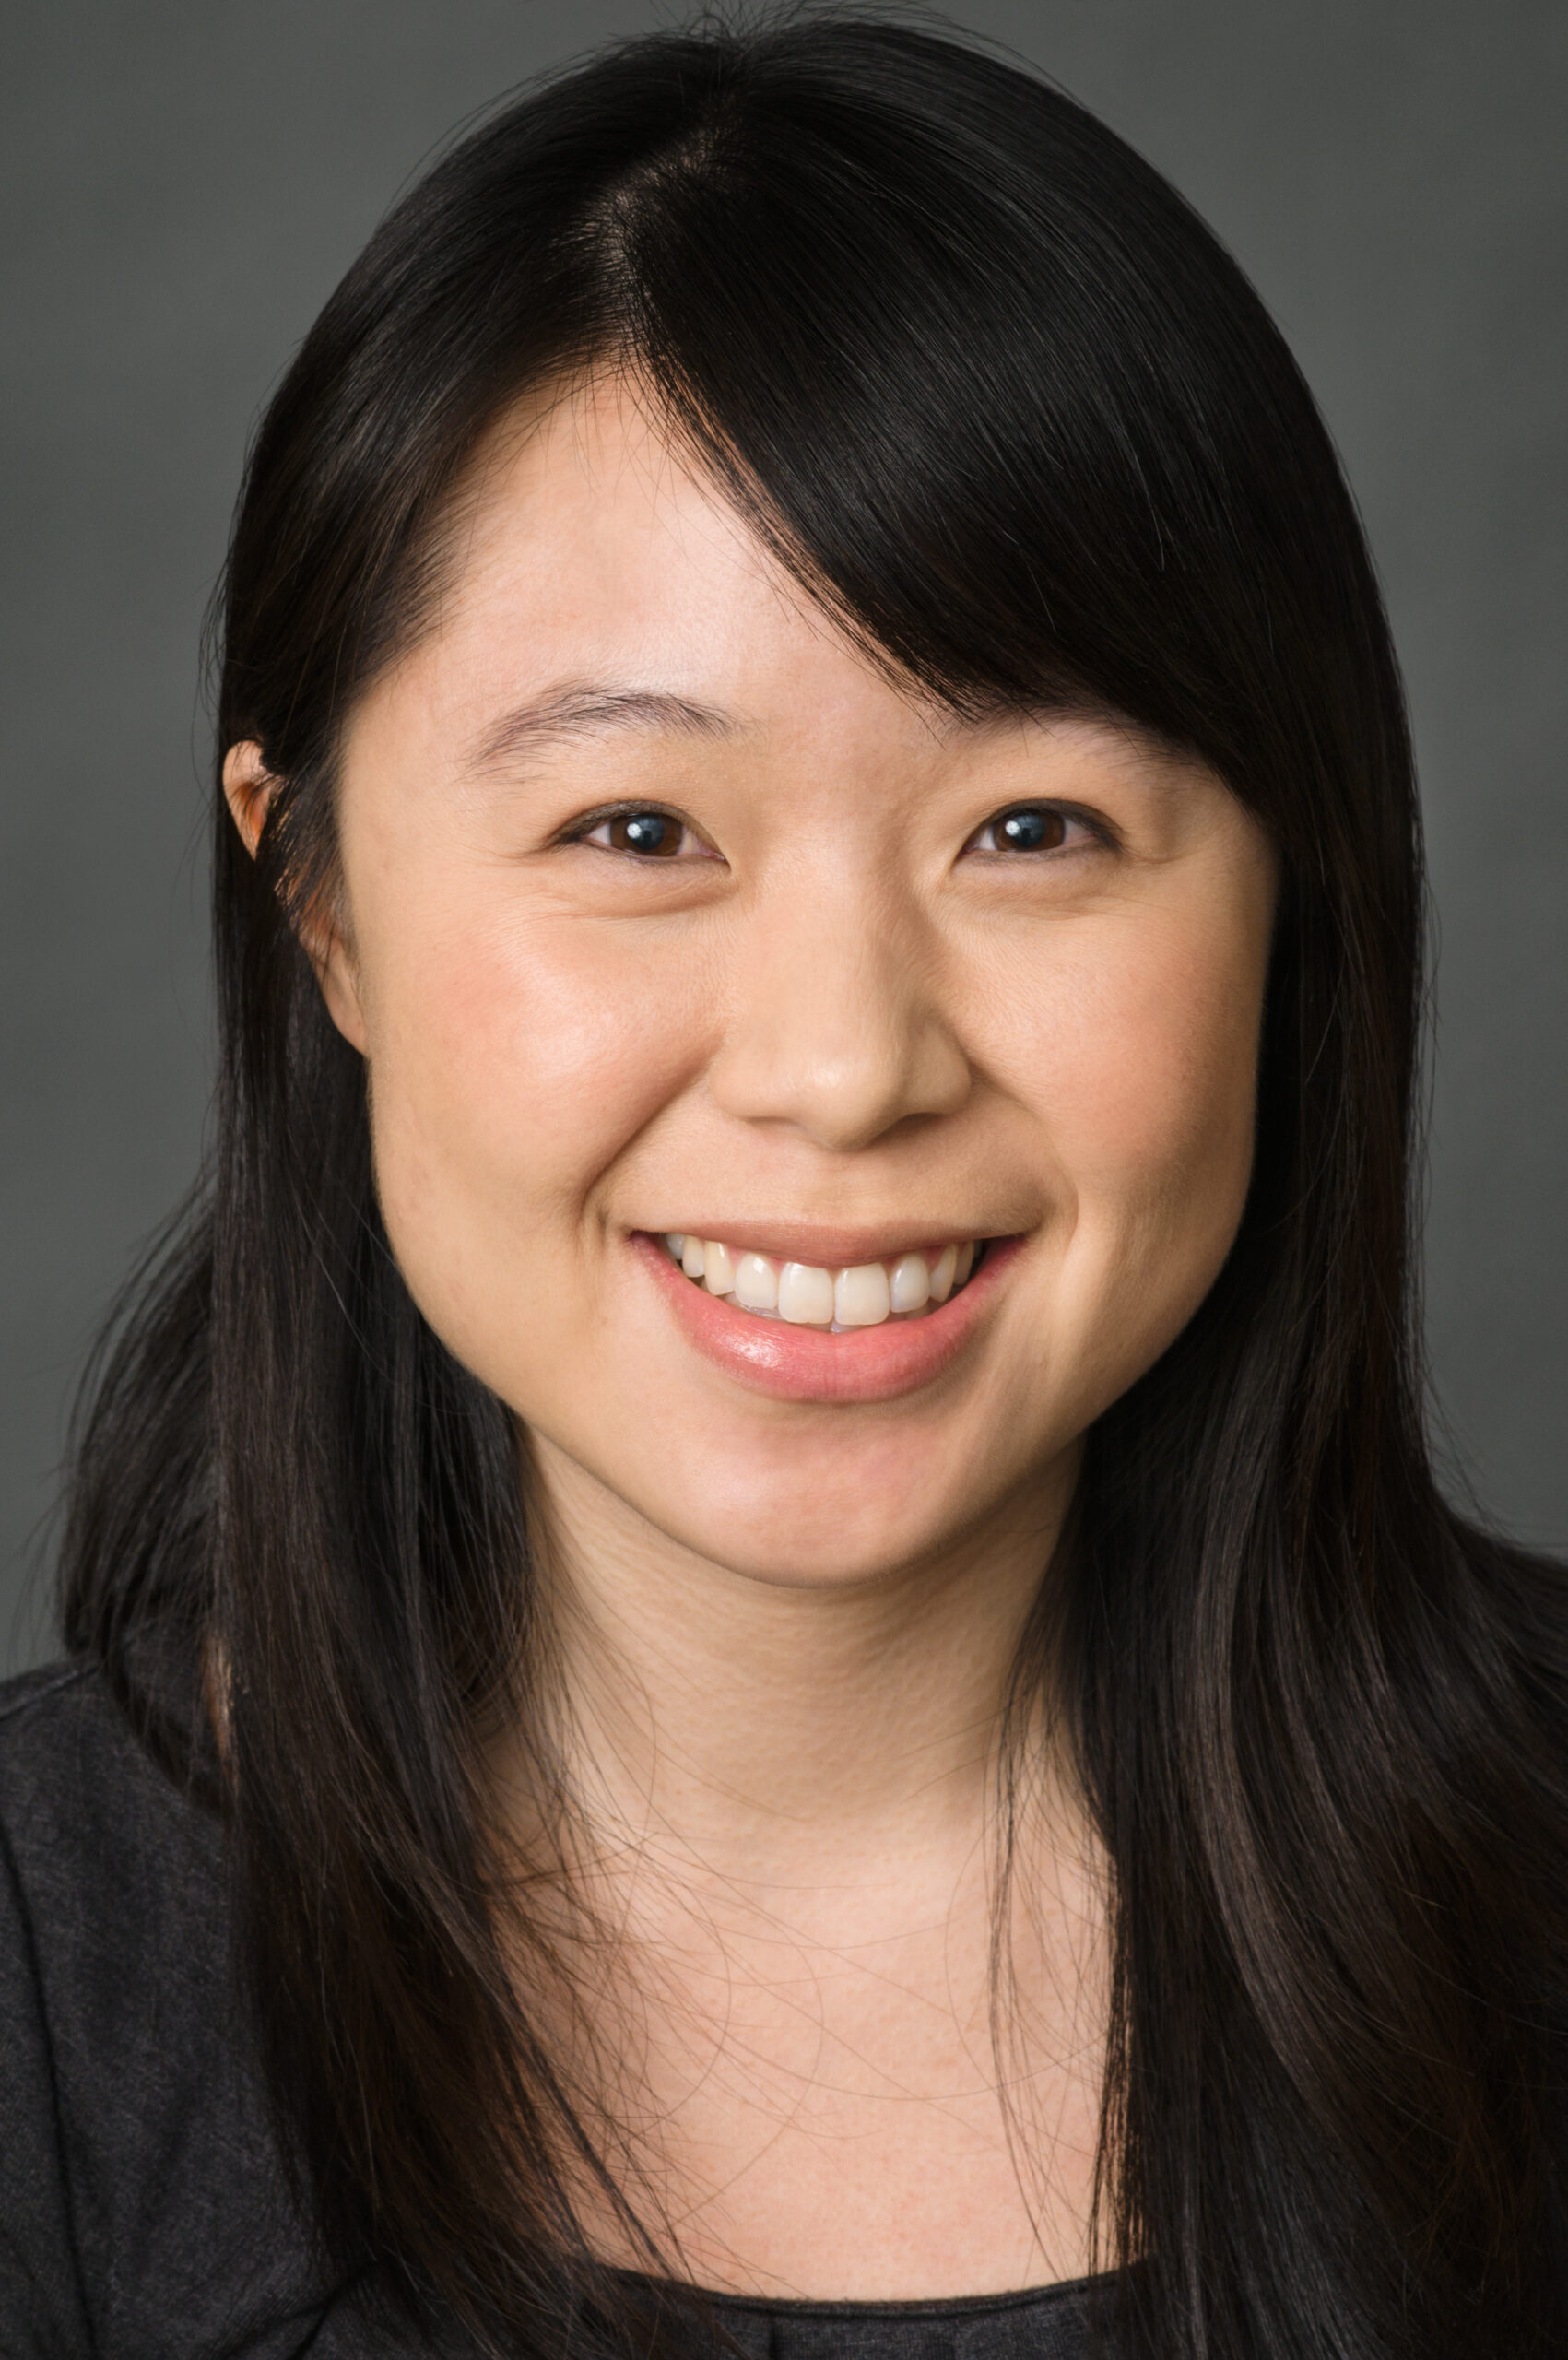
(786, 1624)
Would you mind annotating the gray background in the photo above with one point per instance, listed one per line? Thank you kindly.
(185, 180)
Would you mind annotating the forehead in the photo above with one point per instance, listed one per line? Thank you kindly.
(590, 561)
(586, 543)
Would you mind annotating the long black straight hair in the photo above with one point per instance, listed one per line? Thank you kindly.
(1002, 403)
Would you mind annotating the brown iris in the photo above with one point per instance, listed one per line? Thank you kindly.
(653, 833)
(1029, 829)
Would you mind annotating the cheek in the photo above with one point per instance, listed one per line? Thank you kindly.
(1144, 1077)
(510, 1066)
(1167, 1104)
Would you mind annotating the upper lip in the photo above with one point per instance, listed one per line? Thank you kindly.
(824, 1248)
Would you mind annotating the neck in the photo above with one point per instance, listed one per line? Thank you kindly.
(734, 1726)
(777, 1812)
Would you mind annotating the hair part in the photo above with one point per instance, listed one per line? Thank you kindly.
(987, 389)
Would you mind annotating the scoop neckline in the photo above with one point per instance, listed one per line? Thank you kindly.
(914, 2306)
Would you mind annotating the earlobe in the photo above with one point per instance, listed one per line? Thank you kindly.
(248, 789)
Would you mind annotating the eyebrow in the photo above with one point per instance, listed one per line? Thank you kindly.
(582, 708)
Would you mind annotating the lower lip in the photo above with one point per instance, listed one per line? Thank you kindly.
(806, 1364)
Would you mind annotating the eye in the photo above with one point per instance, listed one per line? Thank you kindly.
(1032, 827)
(647, 833)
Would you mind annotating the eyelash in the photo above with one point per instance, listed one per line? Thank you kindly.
(1065, 816)
(585, 830)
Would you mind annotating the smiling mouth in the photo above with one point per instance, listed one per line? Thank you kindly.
(835, 1302)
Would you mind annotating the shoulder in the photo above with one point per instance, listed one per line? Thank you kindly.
(141, 2204)
(106, 1845)
(117, 1879)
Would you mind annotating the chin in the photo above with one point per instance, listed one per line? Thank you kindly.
(789, 1545)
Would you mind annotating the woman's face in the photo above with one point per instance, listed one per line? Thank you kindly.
(667, 914)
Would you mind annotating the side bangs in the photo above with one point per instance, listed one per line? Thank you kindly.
(963, 402)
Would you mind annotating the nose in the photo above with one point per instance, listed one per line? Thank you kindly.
(835, 1023)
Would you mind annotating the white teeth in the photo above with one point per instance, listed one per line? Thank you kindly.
(809, 1297)
(805, 1295)
(756, 1284)
(909, 1287)
(860, 1296)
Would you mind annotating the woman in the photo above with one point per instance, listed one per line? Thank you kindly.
(762, 1652)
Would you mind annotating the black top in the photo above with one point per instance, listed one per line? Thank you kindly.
(142, 2207)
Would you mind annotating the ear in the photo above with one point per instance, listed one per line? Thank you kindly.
(248, 789)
